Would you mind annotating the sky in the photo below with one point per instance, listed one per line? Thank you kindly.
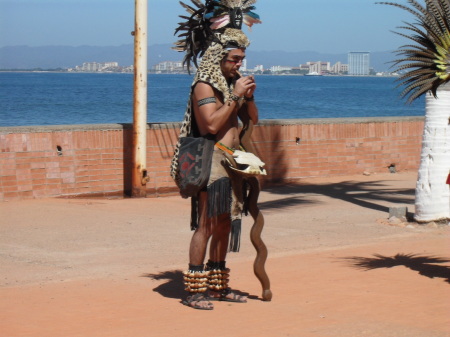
(326, 26)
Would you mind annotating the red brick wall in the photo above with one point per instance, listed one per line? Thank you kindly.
(50, 161)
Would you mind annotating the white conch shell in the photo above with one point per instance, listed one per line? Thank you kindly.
(248, 163)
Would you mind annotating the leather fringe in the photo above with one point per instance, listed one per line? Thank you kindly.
(194, 213)
(219, 197)
(235, 236)
(245, 195)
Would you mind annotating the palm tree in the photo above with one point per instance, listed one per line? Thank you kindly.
(427, 66)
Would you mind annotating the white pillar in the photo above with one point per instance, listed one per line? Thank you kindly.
(432, 192)
(139, 171)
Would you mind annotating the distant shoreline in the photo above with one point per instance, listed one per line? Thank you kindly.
(153, 73)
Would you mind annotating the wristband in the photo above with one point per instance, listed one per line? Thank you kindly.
(234, 97)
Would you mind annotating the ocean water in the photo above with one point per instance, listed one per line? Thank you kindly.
(81, 98)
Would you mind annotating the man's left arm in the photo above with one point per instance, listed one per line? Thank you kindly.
(251, 110)
(249, 105)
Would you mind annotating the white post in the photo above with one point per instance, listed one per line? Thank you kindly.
(139, 171)
(432, 192)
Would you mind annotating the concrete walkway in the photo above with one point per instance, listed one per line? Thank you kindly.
(112, 267)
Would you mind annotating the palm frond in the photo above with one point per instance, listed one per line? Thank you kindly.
(421, 65)
(400, 6)
(418, 88)
(418, 52)
(428, 61)
(438, 13)
(446, 9)
(414, 75)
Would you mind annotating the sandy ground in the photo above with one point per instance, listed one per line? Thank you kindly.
(112, 267)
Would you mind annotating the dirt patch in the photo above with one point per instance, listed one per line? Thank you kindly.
(337, 268)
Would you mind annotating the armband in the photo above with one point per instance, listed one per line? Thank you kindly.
(207, 100)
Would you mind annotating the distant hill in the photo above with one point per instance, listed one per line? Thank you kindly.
(51, 57)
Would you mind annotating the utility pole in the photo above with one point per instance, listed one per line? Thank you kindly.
(139, 170)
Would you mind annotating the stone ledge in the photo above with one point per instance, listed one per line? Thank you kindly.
(170, 125)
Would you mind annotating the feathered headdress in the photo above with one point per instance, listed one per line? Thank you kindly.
(430, 59)
(198, 31)
(231, 13)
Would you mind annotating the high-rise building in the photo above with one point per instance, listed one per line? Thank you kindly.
(339, 68)
(358, 63)
(244, 65)
(259, 67)
(319, 67)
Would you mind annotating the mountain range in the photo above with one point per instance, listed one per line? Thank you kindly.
(52, 57)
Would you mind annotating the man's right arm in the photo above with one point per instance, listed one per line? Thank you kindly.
(212, 116)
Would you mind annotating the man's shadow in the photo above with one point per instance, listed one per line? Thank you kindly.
(424, 265)
(174, 287)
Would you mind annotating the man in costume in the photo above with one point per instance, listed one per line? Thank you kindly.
(219, 95)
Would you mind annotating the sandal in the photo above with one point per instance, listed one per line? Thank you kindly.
(225, 297)
(193, 301)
